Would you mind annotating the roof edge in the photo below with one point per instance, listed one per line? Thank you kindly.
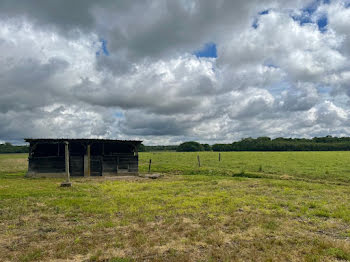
(79, 139)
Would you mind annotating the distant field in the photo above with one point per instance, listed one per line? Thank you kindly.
(251, 206)
(325, 166)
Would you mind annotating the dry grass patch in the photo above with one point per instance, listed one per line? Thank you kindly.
(13, 163)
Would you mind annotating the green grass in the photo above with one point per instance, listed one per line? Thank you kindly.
(222, 211)
(324, 166)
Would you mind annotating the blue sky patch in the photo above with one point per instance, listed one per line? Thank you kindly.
(308, 11)
(322, 23)
(324, 89)
(104, 49)
(209, 50)
(265, 12)
(312, 7)
(256, 19)
(271, 65)
(255, 23)
(119, 114)
(302, 19)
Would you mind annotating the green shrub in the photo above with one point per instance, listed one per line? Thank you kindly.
(191, 146)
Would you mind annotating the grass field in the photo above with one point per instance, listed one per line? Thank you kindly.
(251, 206)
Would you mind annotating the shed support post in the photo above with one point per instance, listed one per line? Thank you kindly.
(89, 159)
(87, 162)
(66, 148)
(67, 183)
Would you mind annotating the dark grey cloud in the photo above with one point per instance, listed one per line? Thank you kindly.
(301, 98)
(25, 84)
(178, 86)
(143, 124)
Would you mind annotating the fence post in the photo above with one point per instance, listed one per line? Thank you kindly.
(219, 157)
(149, 166)
(199, 161)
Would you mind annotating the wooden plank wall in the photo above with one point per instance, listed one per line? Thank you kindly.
(134, 164)
(113, 164)
(47, 164)
(96, 166)
(76, 165)
(110, 164)
(120, 163)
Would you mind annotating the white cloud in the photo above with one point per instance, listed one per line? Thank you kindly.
(278, 79)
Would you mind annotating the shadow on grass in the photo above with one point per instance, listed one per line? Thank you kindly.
(249, 175)
(12, 175)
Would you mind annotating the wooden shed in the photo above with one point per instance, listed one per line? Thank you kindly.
(82, 157)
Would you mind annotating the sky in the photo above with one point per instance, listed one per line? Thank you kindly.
(170, 71)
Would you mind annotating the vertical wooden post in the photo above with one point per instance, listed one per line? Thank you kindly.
(149, 166)
(199, 161)
(219, 157)
(89, 160)
(67, 183)
(66, 150)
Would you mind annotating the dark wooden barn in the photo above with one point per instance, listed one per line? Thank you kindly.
(82, 157)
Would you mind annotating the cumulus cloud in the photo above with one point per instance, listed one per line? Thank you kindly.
(165, 87)
(300, 98)
(122, 69)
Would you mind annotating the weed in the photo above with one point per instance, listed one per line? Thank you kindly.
(119, 259)
(33, 255)
(270, 225)
(337, 253)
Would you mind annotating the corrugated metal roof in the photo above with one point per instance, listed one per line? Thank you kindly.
(80, 140)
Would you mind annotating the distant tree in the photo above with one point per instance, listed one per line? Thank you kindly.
(190, 146)
(206, 147)
(222, 147)
(9, 148)
(263, 138)
(142, 148)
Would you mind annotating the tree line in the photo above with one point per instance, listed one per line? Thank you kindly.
(9, 148)
(327, 143)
